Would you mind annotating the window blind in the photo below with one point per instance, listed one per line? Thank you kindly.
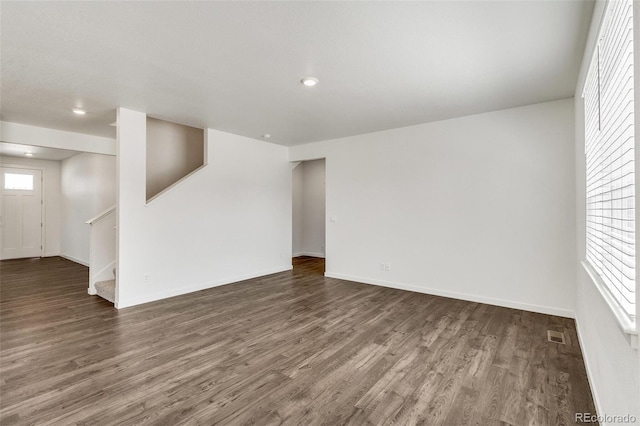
(609, 147)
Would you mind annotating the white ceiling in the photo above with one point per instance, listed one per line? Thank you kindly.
(39, 152)
(236, 66)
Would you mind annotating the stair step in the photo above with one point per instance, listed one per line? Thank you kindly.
(106, 290)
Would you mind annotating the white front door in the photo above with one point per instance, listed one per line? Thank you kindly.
(20, 213)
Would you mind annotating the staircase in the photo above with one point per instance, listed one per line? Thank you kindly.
(106, 290)
(102, 254)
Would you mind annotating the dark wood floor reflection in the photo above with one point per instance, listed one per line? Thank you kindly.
(292, 348)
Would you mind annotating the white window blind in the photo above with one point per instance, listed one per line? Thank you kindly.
(609, 139)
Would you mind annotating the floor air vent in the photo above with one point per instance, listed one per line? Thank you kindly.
(555, 336)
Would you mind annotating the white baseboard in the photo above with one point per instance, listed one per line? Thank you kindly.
(54, 254)
(308, 253)
(587, 365)
(73, 259)
(91, 291)
(455, 295)
(120, 304)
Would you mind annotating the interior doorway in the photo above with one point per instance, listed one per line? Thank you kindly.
(309, 206)
(21, 224)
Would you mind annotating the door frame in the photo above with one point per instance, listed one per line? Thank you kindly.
(43, 208)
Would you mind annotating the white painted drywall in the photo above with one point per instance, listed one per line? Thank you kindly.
(88, 184)
(297, 185)
(613, 366)
(309, 209)
(229, 221)
(480, 207)
(51, 214)
(173, 151)
(51, 138)
(313, 242)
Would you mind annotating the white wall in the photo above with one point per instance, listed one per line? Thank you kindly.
(51, 172)
(309, 209)
(480, 207)
(297, 176)
(613, 366)
(229, 221)
(51, 138)
(173, 151)
(88, 184)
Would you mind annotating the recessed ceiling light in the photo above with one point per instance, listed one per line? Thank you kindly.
(79, 111)
(267, 136)
(309, 81)
(28, 154)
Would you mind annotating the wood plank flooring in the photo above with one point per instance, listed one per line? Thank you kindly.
(293, 348)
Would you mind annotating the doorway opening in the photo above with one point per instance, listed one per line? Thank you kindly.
(309, 219)
(47, 197)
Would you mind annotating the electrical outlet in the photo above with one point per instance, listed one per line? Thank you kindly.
(382, 266)
(147, 277)
(387, 267)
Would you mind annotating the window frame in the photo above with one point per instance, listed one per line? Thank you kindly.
(18, 189)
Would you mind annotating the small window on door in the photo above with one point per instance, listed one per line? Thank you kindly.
(18, 181)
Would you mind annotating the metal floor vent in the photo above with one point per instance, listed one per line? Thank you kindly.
(555, 336)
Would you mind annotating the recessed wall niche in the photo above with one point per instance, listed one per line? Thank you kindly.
(173, 152)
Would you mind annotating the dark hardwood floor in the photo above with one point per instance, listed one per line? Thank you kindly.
(292, 348)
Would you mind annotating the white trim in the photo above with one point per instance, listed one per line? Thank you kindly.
(587, 364)
(308, 253)
(462, 296)
(74, 259)
(624, 323)
(197, 287)
(101, 215)
(91, 291)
